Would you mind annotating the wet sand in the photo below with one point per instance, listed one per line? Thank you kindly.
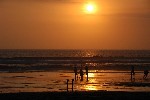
(55, 81)
(102, 85)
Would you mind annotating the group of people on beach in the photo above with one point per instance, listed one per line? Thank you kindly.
(81, 73)
(86, 69)
(133, 73)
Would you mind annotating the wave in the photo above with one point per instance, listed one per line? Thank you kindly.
(48, 60)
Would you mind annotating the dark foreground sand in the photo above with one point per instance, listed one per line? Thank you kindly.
(93, 95)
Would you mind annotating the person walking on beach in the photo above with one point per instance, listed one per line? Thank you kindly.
(86, 68)
(132, 72)
(76, 72)
(145, 74)
(81, 74)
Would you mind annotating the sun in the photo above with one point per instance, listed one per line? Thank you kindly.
(90, 8)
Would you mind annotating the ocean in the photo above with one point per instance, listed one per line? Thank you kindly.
(47, 70)
(40, 60)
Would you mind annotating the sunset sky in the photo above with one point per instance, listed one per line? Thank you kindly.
(66, 24)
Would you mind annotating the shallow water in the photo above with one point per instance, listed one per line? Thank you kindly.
(56, 81)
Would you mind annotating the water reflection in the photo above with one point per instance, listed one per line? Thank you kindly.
(92, 83)
(91, 87)
(91, 74)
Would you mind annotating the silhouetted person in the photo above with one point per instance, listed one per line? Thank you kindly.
(145, 74)
(132, 72)
(86, 68)
(81, 74)
(76, 72)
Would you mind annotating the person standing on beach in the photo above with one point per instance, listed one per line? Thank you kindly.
(145, 74)
(86, 68)
(132, 72)
(81, 74)
(76, 72)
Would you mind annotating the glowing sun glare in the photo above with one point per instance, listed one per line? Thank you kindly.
(90, 8)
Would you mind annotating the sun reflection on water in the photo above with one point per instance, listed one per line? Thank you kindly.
(91, 75)
(91, 83)
(91, 87)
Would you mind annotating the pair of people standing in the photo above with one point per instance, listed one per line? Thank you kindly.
(133, 73)
(81, 72)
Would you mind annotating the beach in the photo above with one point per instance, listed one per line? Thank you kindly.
(44, 86)
(74, 49)
(56, 81)
(44, 74)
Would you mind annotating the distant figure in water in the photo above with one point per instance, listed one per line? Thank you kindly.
(132, 72)
(81, 74)
(86, 68)
(76, 72)
(145, 74)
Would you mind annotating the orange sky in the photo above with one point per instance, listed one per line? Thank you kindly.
(62, 24)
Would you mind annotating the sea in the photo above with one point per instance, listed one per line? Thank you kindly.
(40, 70)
